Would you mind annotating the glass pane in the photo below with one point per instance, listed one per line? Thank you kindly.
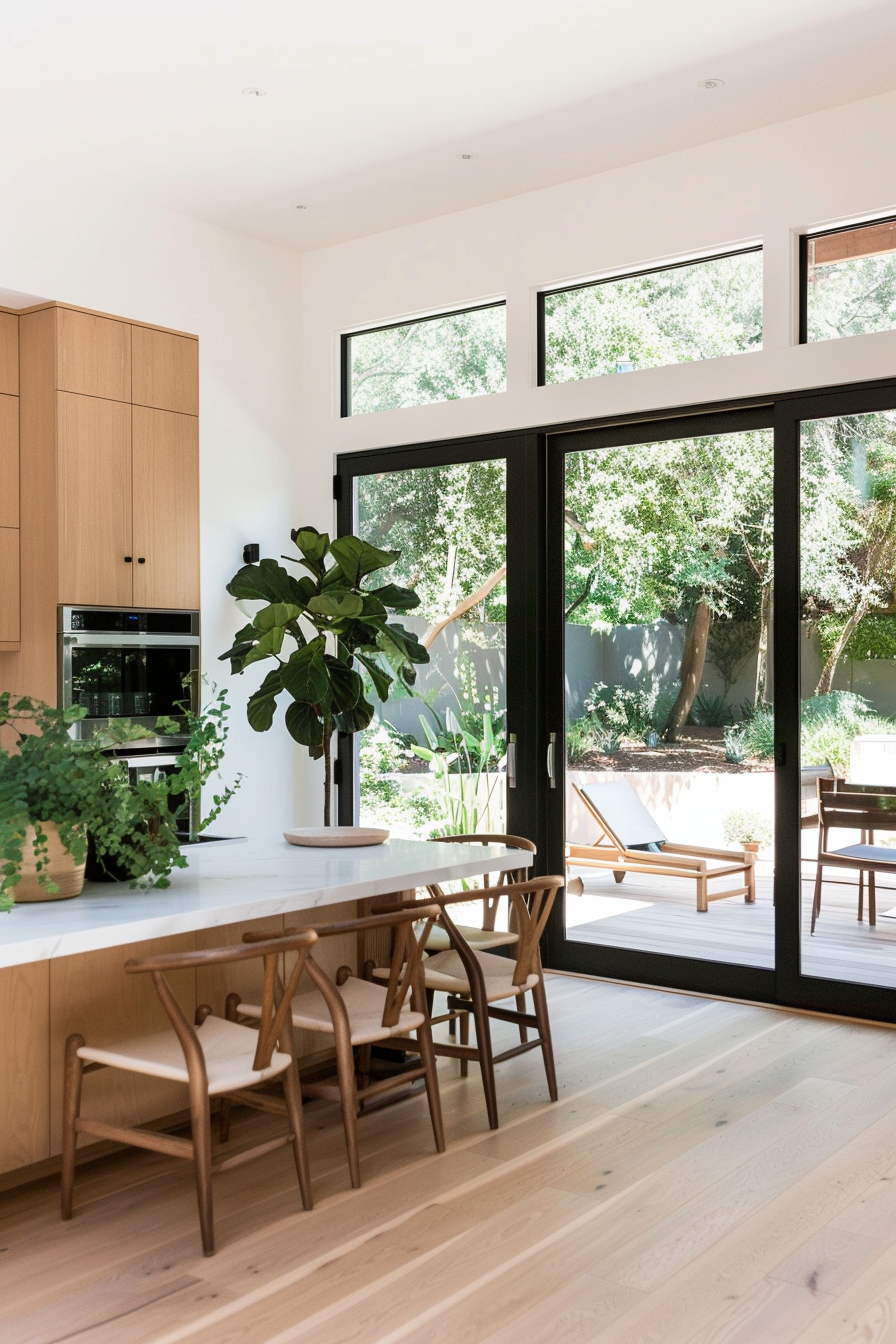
(851, 282)
(697, 311)
(438, 359)
(669, 586)
(848, 679)
(433, 763)
(129, 682)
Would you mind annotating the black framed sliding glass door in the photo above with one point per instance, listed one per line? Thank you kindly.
(461, 755)
(661, 595)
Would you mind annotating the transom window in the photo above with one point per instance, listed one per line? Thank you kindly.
(849, 281)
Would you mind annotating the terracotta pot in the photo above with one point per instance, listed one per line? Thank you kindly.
(751, 846)
(68, 875)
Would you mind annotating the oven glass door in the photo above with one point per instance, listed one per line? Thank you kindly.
(130, 682)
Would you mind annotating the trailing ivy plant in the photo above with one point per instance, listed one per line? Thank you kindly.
(46, 775)
(330, 637)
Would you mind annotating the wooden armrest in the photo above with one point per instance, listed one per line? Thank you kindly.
(703, 851)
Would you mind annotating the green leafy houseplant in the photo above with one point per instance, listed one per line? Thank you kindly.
(341, 641)
(134, 828)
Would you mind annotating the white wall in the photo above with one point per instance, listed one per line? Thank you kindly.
(766, 186)
(241, 297)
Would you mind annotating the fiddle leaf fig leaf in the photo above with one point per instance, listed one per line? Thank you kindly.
(399, 599)
(278, 613)
(305, 674)
(356, 558)
(268, 646)
(263, 702)
(305, 727)
(355, 719)
(346, 686)
(380, 678)
(337, 605)
(269, 582)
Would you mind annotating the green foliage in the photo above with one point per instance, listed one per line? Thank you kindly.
(88, 794)
(757, 733)
(874, 637)
(710, 711)
(830, 723)
(665, 317)
(746, 828)
(441, 359)
(622, 711)
(467, 783)
(851, 297)
(412, 812)
(333, 622)
(736, 750)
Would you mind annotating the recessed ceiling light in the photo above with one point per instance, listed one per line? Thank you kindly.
(254, 93)
(468, 156)
(712, 84)
(301, 207)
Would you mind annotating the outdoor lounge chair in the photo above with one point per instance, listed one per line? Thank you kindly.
(631, 842)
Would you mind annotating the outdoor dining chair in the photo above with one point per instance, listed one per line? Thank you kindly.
(865, 808)
(213, 1058)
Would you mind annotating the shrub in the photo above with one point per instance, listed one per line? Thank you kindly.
(622, 711)
(744, 828)
(758, 733)
(710, 712)
(736, 750)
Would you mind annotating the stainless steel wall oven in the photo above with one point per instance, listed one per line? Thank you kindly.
(127, 664)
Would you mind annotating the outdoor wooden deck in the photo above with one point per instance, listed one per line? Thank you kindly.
(659, 915)
(712, 1172)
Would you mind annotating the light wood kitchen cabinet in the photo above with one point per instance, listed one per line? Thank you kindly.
(166, 506)
(93, 355)
(10, 599)
(9, 354)
(164, 371)
(95, 501)
(9, 461)
(25, 1066)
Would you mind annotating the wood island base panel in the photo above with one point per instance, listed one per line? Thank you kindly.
(61, 966)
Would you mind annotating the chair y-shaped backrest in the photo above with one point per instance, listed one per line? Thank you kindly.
(490, 880)
(275, 1023)
(531, 903)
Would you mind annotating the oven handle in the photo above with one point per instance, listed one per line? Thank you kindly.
(92, 640)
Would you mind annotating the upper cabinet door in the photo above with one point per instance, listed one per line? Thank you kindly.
(9, 461)
(164, 371)
(93, 355)
(9, 354)
(166, 509)
(94, 484)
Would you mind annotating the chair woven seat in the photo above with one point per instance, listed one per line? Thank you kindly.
(445, 972)
(364, 1003)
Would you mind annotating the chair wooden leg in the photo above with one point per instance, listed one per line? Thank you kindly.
(484, 1052)
(292, 1095)
(540, 999)
(816, 899)
(364, 1056)
(618, 875)
(521, 1007)
(862, 894)
(348, 1095)
(71, 1109)
(200, 1122)
(465, 1040)
(872, 900)
(428, 1060)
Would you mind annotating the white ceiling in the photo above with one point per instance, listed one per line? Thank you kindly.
(369, 104)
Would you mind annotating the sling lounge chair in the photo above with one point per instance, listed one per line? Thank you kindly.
(629, 841)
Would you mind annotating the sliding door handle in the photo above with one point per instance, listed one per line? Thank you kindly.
(552, 760)
(511, 761)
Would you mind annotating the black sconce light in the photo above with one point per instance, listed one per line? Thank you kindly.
(251, 552)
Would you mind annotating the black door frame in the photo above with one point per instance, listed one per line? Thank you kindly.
(536, 674)
(524, 656)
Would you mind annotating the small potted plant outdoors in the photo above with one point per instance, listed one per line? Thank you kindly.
(60, 795)
(750, 830)
(331, 640)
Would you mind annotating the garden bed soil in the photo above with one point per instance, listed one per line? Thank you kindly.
(700, 749)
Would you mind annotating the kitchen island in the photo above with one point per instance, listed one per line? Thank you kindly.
(61, 965)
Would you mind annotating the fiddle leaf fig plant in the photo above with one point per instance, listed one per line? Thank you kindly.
(330, 636)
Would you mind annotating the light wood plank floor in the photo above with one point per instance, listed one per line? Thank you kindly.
(659, 915)
(713, 1173)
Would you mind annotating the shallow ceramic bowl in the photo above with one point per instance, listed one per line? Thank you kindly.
(336, 837)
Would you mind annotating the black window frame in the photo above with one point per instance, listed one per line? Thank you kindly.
(803, 296)
(550, 290)
(345, 385)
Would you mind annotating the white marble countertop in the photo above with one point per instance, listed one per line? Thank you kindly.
(231, 882)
